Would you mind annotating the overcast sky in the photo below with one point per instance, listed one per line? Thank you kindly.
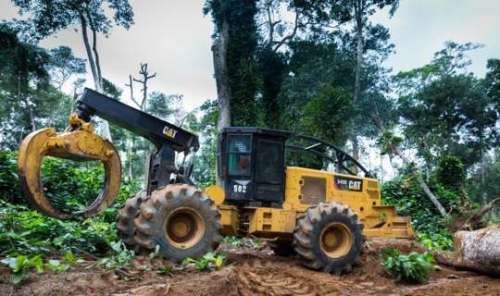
(173, 36)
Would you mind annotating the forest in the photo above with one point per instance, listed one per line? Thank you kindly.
(430, 134)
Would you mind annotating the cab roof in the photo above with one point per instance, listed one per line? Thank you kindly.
(257, 130)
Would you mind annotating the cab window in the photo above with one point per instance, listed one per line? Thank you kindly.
(239, 156)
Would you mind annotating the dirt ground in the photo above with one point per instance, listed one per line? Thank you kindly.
(252, 273)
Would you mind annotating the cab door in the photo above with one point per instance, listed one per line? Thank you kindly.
(269, 170)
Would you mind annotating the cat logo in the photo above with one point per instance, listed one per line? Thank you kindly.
(169, 132)
(349, 184)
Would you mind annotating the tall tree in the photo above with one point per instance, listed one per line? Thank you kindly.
(447, 110)
(49, 17)
(64, 65)
(235, 42)
(361, 10)
(28, 98)
(282, 22)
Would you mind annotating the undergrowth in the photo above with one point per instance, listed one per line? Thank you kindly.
(30, 241)
(209, 261)
(413, 268)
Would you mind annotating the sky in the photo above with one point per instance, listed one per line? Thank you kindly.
(174, 38)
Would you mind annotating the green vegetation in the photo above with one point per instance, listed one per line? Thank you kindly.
(30, 240)
(413, 268)
(209, 261)
(243, 242)
(21, 266)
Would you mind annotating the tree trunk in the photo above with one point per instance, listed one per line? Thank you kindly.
(422, 183)
(93, 57)
(477, 250)
(96, 55)
(90, 56)
(357, 71)
(219, 50)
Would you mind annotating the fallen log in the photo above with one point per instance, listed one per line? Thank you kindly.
(477, 250)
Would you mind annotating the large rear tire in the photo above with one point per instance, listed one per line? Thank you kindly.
(329, 238)
(180, 220)
(125, 219)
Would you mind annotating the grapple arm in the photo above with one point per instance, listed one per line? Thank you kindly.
(80, 142)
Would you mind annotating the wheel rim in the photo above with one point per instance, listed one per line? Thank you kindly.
(336, 240)
(184, 228)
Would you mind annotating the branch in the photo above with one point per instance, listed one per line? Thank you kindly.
(271, 24)
(145, 77)
(131, 87)
(291, 35)
(475, 219)
(94, 49)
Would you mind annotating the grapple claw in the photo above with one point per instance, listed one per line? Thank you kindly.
(79, 145)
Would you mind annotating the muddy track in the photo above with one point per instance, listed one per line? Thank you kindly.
(257, 277)
(250, 273)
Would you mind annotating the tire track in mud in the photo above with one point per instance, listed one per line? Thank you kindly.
(266, 278)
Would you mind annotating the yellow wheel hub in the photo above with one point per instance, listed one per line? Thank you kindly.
(184, 228)
(336, 240)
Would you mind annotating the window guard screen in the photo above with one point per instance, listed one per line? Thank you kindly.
(239, 156)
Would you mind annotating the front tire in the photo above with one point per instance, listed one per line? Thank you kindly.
(329, 238)
(125, 219)
(180, 220)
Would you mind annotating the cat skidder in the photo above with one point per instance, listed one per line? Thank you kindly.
(320, 215)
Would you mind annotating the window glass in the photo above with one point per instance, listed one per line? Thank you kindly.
(239, 144)
(269, 162)
(239, 156)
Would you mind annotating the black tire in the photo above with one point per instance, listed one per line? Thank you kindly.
(329, 237)
(180, 220)
(125, 220)
(282, 248)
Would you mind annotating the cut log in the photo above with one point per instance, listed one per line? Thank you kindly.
(477, 250)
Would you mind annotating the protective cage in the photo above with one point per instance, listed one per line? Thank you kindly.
(251, 163)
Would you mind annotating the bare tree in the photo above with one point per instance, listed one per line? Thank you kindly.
(144, 72)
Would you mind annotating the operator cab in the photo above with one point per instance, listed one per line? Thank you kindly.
(251, 164)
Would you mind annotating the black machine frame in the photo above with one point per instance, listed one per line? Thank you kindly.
(329, 152)
(166, 137)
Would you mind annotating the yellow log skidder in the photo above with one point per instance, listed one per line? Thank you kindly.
(321, 216)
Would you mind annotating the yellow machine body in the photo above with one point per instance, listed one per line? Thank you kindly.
(304, 188)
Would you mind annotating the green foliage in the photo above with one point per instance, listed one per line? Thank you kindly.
(47, 18)
(24, 231)
(242, 242)
(70, 186)
(64, 64)
(413, 268)
(405, 193)
(239, 17)
(450, 172)
(166, 270)
(121, 256)
(440, 241)
(22, 265)
(445, 109)
(209, 261)
(318, 120)
(9, 190)
(205, 161)
(27, 236)
(27, 232)
(482, 184)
